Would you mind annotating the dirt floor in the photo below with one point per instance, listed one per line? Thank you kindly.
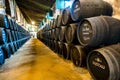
(35, 61)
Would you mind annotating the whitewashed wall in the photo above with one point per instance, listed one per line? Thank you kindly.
(116, 7)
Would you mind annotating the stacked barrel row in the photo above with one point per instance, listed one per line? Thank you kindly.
(12, 37)
(87, 35)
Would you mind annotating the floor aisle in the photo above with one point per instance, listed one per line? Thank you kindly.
(35, 61)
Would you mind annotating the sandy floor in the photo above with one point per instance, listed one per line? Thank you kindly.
(35, 61)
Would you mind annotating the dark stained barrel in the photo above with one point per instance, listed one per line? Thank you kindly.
(89, 8)
(52, 45)
(12, 48)
(66, 50)
(62, 33)
(104, 63)
(16, 35)
(59, 22)
(55, 22)
(14, 26)
(8, 34)
(15, 46)
(49, 45)
(71, 33)
(4, 22)
(2, 58)
(66, 17)
(96, 31)
(51, 24)
(17, 27)
(11, 24)
(49, 34)
(60, 47)
(18, 44)
(13, 35)
(46, 42)
(78, 55)
(107, 9)
(57, 30)
(53, 34)
(3, 37)
(56, 46)
(6, 50)
(40, 36)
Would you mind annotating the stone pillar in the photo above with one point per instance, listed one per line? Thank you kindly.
(2, 7)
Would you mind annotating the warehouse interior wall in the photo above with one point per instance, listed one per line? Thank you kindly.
(116, 7)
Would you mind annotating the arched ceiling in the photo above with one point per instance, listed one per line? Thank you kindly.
(34, 10)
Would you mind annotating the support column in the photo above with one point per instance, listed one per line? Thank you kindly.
(2, 7)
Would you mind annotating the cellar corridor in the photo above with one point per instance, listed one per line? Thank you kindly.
(35, 61)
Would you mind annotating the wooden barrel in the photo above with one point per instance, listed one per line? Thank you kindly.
(66, 50)
(104, 63)
(14, 26)
(48, 42)
(59, 22)
(51, 24)
(45, 34)
(60, 47)
(62, 33)
(107, 9)
(3, 37)
(8, 34)
(66, 17)
(56, 33)
(56, 46)
(40, 36)
(78, 56)
(12, 48)
(17, 27)
(18, 44)
(15, 46)
(4, 22)
(16, 35)
(96, 31)
(55, 22)
(53, 34)
(11, 24)
(89, 8)
(6, 50)
(19, 35)
(49, 34)
(71, 33)
(52, 45)
(13, 35)
(2, 58)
